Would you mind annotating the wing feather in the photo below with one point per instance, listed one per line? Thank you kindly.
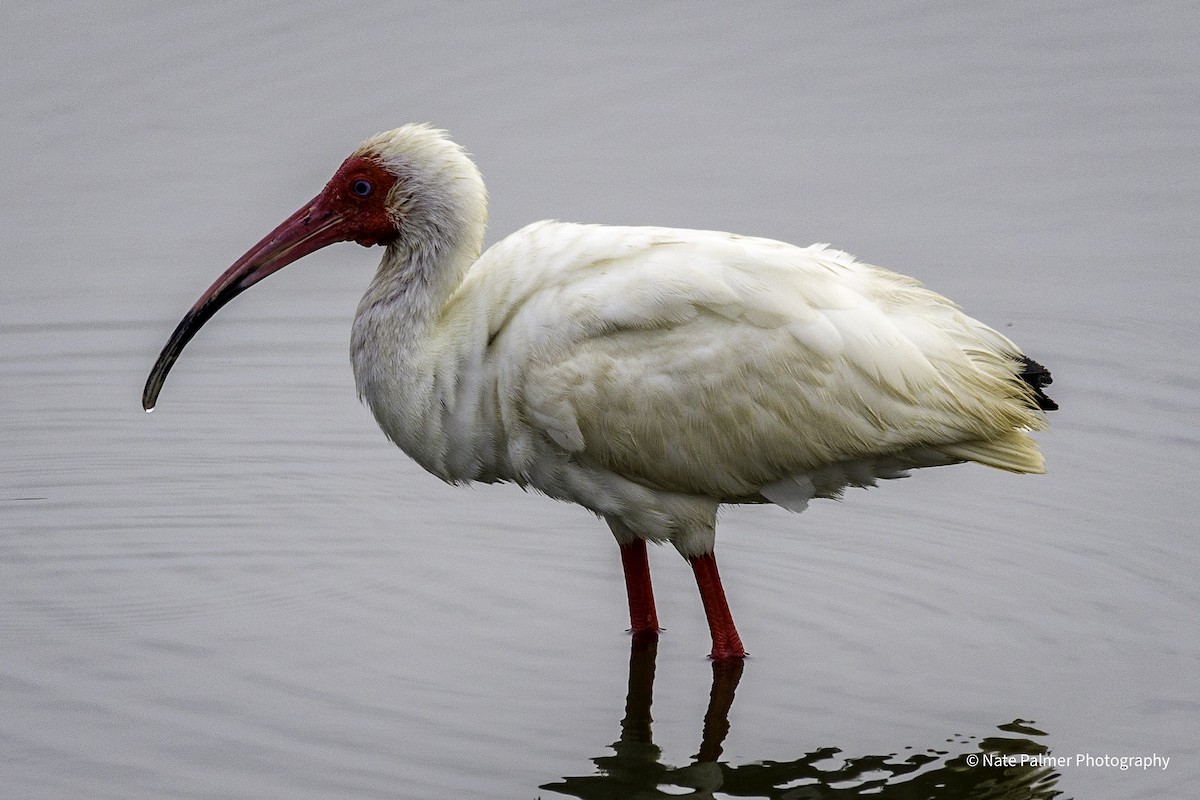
(703, 362)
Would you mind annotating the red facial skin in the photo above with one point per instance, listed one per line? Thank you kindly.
(353, 206)
(365, 219)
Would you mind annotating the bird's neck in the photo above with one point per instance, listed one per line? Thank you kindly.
(440, 236)
(398, 316)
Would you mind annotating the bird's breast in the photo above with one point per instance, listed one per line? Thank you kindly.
(433, 393)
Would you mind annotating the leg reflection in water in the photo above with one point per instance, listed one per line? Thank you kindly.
(634, 769)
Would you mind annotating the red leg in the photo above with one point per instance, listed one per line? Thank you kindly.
(726, 642)
(643, 619)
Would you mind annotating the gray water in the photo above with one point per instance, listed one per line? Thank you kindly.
(251, 594)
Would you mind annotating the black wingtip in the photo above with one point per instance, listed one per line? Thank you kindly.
(1038, 377)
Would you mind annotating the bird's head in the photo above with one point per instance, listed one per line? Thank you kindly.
(406, 188)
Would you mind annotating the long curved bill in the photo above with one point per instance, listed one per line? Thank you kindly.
(306, 231)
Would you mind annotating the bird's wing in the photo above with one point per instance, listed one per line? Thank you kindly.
(703, 362)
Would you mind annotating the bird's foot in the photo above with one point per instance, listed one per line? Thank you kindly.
(726, 651)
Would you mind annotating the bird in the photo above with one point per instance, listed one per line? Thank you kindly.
(647, 374)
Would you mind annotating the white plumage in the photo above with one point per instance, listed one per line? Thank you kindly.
(650, 374)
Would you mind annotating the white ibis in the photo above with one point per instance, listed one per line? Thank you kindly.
(647, 374)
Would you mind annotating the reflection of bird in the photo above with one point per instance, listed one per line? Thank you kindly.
(647, 374)
(1005, 766)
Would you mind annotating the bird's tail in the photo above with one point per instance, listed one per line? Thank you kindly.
(1015, 451)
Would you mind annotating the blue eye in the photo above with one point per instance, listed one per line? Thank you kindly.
(362, 188)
